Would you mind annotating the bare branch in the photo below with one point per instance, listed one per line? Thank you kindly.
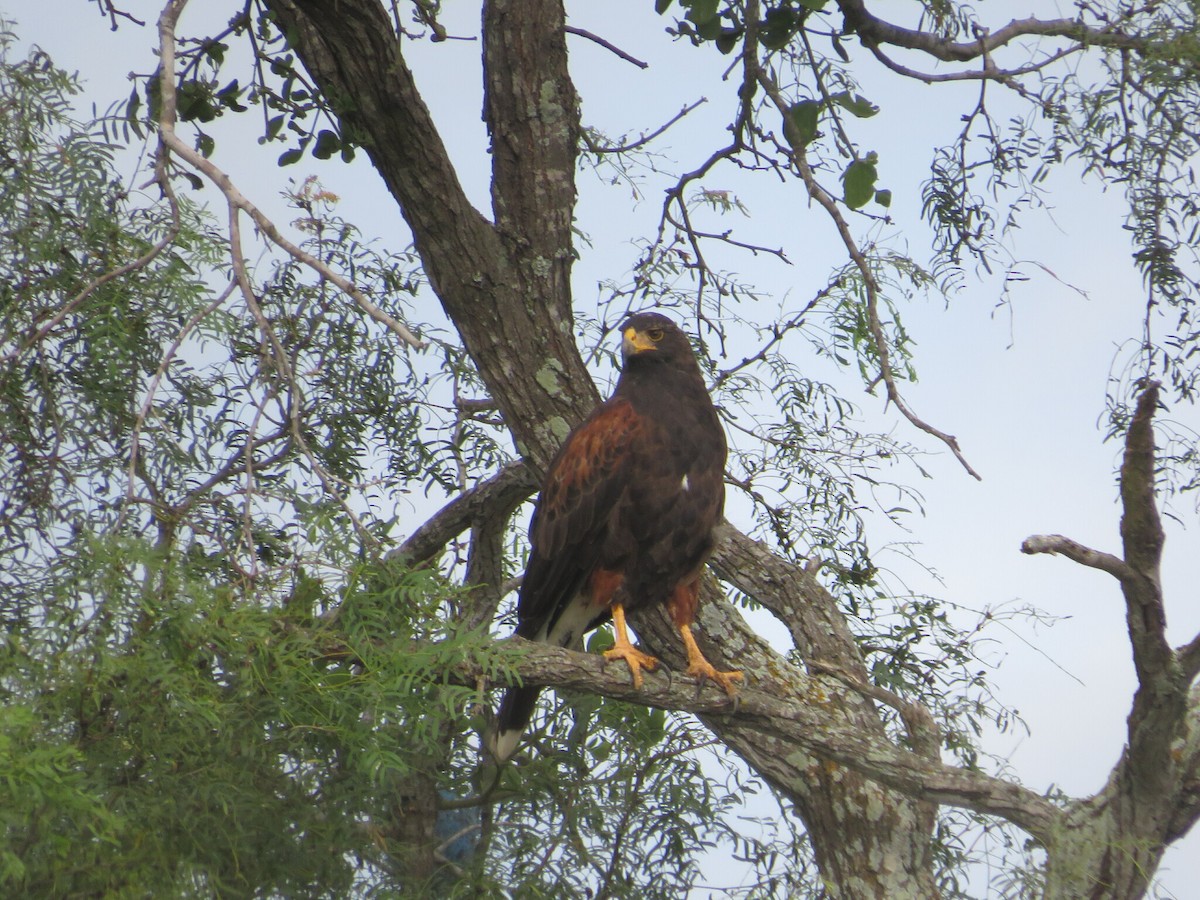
(1073, 550)
(984, 73)
(923, 732)
(570, 29)
(642, 141)
(1189, 658)
(1142, 537)
(873, 30)
(1141, 528)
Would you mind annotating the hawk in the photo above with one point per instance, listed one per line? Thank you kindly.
(626, 514)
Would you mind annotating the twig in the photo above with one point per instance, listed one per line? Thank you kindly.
(140, 263)
(140, 421)
(571, 29)
(642, 141)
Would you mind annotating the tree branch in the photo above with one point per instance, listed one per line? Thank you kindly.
(1189, 658)
(505, 287)
(870, 285)
(579, 32)
(1186, 806)
(505, 490)
(811, 728)
(1073, 550)
(873, 30)
(1142, 537)
(171, 140)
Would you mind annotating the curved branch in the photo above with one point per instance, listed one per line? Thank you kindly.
(607, 45)
(172, 141)
(504, 490)
(879, 340)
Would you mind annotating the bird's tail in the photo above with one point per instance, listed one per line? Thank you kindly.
(516, 709)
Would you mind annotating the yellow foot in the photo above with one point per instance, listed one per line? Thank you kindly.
(636, 659)
(701, 669)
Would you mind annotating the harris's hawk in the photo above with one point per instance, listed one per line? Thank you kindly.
(626, 514)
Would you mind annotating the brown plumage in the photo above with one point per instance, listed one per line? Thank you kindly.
(626, 513)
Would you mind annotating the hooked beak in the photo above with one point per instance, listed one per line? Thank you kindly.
(633, 341)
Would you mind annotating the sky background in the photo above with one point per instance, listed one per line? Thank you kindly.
(1020, 382)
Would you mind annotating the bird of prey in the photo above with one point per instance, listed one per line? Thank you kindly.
(626, 514)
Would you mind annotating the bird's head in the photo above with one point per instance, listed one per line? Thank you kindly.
(650, 335)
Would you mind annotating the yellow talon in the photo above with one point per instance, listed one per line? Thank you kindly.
(624, 649)
(701, 668)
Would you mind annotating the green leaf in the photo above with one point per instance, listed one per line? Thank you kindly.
(131, 112)
(814, 5)
(661, 6)
(216, 51)
(800, 125)
(274, 124)
(328, 143)
(884, 198)
(288, 157)
(856, 104)
(703, 11)
(859, 182)
(778, 25)
(709, 30)
(194, 102)
(728, 39)
(205, 144)
(839, 48)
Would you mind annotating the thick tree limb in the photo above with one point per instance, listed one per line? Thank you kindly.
(505, 287)
(505, 490)
(818, 628)
(1153, 793)
(813, 728)
(1189, 658)
(1187, 803)
(1142, 536)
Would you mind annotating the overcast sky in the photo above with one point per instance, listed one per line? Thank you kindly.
(1022, 385)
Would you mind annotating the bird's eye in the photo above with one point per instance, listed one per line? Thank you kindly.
(655, 334)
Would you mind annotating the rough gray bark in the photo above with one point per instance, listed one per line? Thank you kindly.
(1110, 845)
(816, 735)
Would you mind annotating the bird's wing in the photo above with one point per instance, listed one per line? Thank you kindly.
(582, 489)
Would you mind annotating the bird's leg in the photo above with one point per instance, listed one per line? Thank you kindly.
(701, 668)
(682, 606)
(636, 659)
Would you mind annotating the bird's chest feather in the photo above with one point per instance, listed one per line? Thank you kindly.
(675, 494)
